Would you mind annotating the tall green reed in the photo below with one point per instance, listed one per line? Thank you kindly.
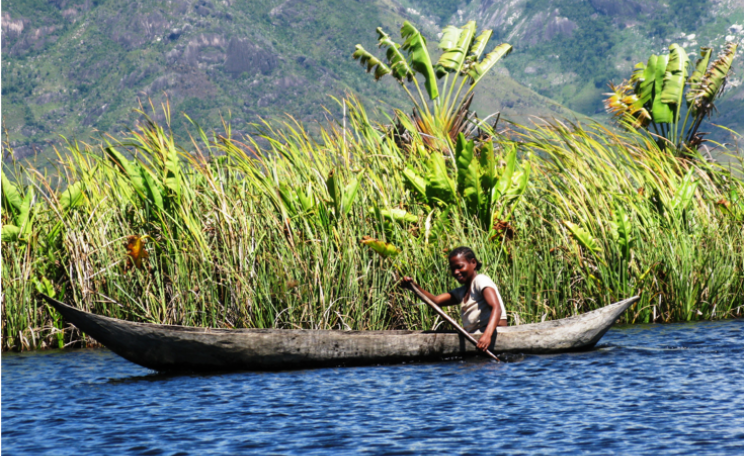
(264, 231)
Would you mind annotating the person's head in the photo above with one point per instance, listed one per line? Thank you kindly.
(463, 264)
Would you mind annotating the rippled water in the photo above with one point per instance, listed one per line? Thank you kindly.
(672, 389)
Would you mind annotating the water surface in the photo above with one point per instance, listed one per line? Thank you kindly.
(649, 389)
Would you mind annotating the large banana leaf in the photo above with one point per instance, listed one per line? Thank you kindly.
(72, 196)
(621, 230)
(660, 111)
(678, 59)
(24, 219)
(583, 237)
(466, 37)
(306, 199)
(450, 51)
(289, 198)
(397, 62)
(468, 179)
(697, 75)
(152, 191)
(645, 90)
(439, 186)
(480, 69)
(479, 45)
(415, 44)
(714, 78)
(464, 154)
(12, 199)
(674, 84)
(637, 76)
(685, 192)
(417, 182)
(520, 179)
(10, 233)
(675, 75)
(350, 194)
(505, 179)
(343, 198)
(456, 46)
(130, 170)
(372, 62)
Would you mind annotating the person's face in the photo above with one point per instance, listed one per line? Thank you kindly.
(462, 270)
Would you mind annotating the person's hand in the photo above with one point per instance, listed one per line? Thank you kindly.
(406, 283)
(484, 342)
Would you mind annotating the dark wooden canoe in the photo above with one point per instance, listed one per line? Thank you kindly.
(179, 348)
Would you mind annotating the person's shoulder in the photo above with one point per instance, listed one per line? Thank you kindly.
(482, 281)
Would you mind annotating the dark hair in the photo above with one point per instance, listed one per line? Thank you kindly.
(466, 252)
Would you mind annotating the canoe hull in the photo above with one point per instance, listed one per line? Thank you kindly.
(179, 348)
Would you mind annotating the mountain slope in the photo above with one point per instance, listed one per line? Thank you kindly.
(569, 49)
(73, 67)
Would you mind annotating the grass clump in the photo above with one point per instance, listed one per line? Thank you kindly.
(264, 232)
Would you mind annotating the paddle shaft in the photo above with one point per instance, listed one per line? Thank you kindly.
(448, 319)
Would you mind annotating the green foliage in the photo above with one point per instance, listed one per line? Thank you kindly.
(485, 192)
(653, 97)
(444, 112)
(266, 232)
(19, 207)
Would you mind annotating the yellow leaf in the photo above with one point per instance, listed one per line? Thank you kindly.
(385, 249)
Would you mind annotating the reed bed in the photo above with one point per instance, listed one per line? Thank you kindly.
(264, 231)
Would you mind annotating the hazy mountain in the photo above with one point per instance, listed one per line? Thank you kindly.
(72, 67)
(75, 66)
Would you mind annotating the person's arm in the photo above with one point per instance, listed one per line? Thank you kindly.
(442, 300)
(492, 299)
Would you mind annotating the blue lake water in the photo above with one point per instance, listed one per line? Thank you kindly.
(648, 389)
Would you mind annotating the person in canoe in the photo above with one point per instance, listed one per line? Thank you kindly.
(481, 306)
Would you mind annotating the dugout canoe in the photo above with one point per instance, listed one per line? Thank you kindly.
(182, 348)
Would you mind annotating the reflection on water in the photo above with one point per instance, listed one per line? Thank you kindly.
(646, 389)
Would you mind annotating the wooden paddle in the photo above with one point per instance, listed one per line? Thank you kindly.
(448, 319)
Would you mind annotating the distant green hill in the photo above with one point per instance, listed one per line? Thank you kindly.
(77, 67)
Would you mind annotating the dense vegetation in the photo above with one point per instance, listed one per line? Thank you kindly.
(227, 232)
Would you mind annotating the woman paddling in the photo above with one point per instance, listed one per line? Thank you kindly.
(481, 306)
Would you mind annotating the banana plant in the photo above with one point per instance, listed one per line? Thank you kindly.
(655, 97)
(444, 112)
(156, 183)
(297, 201)
(146, 189)
(478, 185)
(621, 230)
(342, 197)
(20, 209)
(584, 238)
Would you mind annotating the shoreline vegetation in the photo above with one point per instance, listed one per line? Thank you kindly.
(275, 231)
(291, 230)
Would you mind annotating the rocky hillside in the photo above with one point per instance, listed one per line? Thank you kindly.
(74, 67)
(569, 49)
